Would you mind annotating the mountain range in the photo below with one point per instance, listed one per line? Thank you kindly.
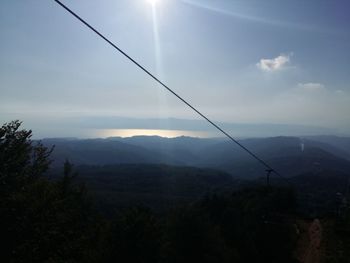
(291, 156)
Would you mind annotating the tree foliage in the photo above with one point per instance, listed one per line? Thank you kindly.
(40, 220)
(44, 220)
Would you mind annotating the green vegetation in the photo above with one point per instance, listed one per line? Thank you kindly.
(43, 220)
(40, 220)
(156, 186)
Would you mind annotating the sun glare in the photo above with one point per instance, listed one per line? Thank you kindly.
(152, 2)
(105, 133)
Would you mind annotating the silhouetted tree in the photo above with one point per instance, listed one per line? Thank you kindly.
(40, 220)
(191, 237)
(136, 237)
(44, 220)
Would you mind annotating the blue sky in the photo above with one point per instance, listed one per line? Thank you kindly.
(281, 62)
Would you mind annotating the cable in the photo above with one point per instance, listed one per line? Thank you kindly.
(169, 89)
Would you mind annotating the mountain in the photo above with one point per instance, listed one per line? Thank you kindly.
(291, 156)
(99, 152)
(321, 193)
(139, 149)
(156, 186)
(341, 143)
(238, 129)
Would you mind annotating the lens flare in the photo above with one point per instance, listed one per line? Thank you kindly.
(152, 2)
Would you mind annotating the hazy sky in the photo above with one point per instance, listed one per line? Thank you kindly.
(239, 61)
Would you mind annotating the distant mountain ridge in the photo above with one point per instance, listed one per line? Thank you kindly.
(237, 129)
(290, 155)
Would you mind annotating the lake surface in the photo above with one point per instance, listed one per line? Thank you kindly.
(104, 133)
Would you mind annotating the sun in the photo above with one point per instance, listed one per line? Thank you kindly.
(152, 2)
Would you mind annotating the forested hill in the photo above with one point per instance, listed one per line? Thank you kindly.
(290, 155)
(157, 186)
(48, 217)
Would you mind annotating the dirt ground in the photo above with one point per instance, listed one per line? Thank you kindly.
(309, 243)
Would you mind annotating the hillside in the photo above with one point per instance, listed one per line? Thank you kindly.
(156, 186)
(290, 155)
(160, 213)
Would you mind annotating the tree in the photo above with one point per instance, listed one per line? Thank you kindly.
(20, 160)
(135, 237)
(191, 237)
(40, 220)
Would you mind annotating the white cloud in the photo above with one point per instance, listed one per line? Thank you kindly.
(311, 86)
(273, 64)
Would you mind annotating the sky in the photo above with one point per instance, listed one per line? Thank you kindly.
(238, 61)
